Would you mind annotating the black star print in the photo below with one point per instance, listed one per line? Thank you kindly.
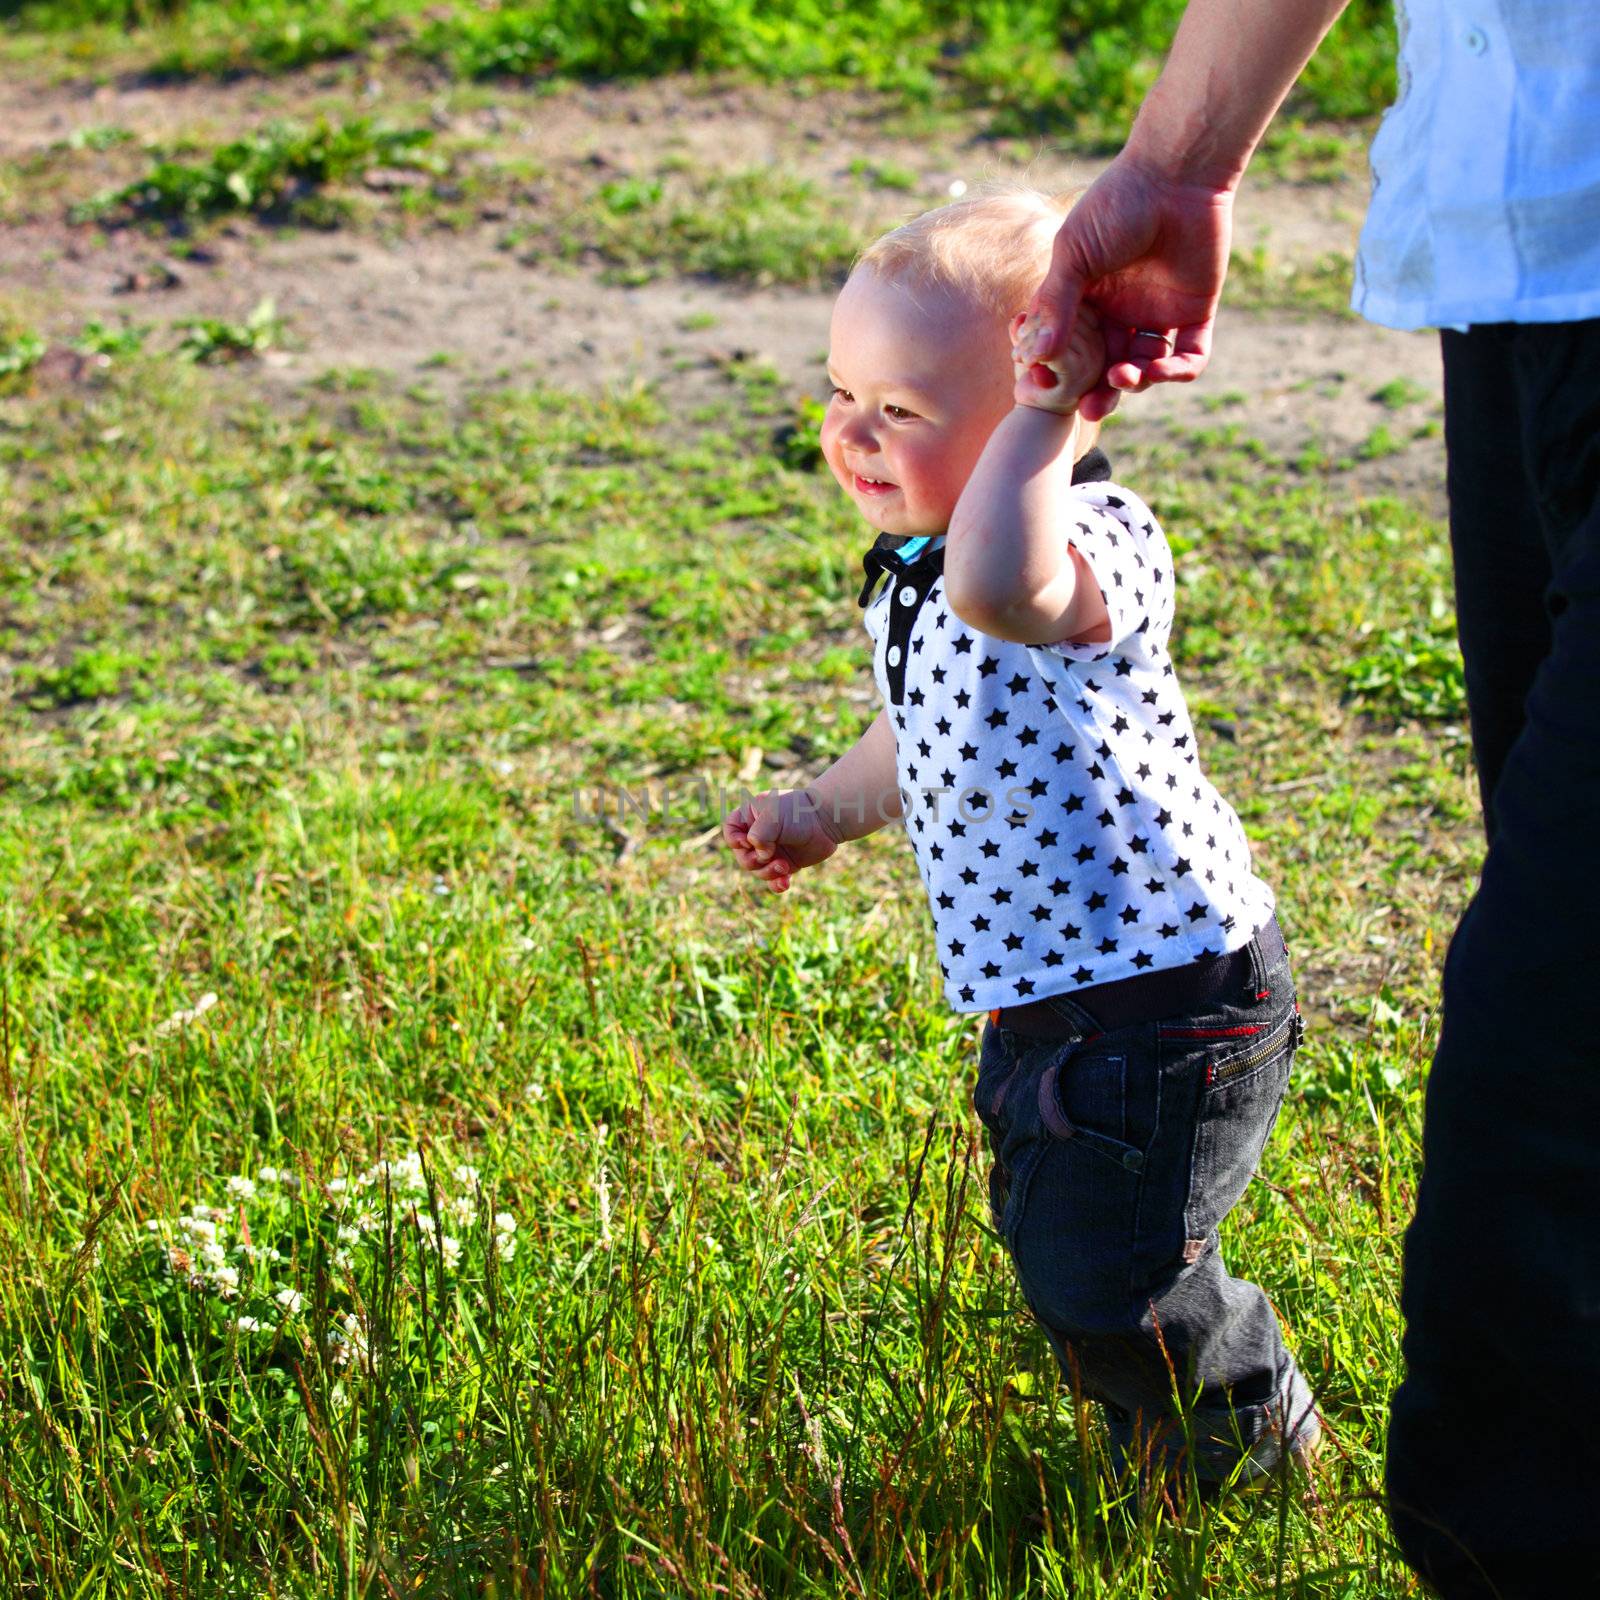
(1017, 684)
(990, 849)
(1091, 686)
(946, 902)
(1181, 867)
(1013, 941)
(963, 698)
(916, 697)
(988, 667)
(1149, 697)
(1059, 886)
(957, 948)
(1168, 931)
(962, 645)
(943, 724)
(1029, 869)
(1097, 901)
(1103, 751)
(936, 851)
(1128, 915)
(1107, 947)
(980, 924)
(1073, 802)
(1195, 912)
(1124, 795)
(996, 718)
(1105, 819)
(1152, 886)
(1038, 788)
(1083, 853)
(1118, 866)
(1017, 819)
(1165, 719)
(990, 970)
(1001, 897)
(1070, 930)
(968, 876)
(1138, 846)
(1054, 959)
(1082, 975)
(937, 674)
(967, 993)
(1063, 752)
(1024, 985)
(1163, 818)
(947, 777)
(1028, 736)
(969, 752)
(958, 830)
(1119, 723)
(1007, 769)
(1144, 959)
(924, 747)
(1040, 913)
(1142, 770)
(1047, 839)
(1123, 667)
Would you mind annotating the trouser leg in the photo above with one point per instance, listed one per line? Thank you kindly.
(1494, 1468)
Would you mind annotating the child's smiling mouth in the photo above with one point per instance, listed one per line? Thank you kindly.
(873, 486)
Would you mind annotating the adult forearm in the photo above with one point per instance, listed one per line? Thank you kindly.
(1231, 64)
(860, 792)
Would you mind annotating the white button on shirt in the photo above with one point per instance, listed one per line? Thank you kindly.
(1486, 171)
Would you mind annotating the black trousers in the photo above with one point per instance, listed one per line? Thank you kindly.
(1494, 1441)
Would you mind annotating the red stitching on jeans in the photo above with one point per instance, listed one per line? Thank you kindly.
(1242, 1032)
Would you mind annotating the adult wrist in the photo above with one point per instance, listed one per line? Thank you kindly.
(1179, 144)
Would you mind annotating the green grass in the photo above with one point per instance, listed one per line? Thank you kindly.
(324, 708)
(1041, 65)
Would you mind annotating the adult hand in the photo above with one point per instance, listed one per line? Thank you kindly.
(1150, 255)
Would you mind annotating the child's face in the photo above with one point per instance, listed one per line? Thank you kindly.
(919, 385)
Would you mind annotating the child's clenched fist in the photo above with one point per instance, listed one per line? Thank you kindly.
(776, 834)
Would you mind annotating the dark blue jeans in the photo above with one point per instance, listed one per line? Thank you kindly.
(1116, 1156)
(1494, 1441)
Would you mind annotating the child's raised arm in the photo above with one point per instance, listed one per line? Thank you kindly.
(776, 834)
(1009, 569)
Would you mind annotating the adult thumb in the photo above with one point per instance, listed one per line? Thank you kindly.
(1055, 303)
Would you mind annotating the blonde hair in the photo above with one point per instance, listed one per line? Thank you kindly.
(992, 246)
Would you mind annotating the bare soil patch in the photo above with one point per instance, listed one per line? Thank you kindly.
(401, 299)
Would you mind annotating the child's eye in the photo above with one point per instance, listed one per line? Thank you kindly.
(836, 393)
(899, 413)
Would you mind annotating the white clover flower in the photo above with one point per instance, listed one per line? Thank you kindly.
(226, 1281)
(505, 1246)
(291, 1300)
(534, 1091)
(451, 1249)
(441, 887)
(213, 1256)
(504, 1222)
(341, 1260)
(466, 1176)
(424, 1223)
(268, 1175)
(348, 1235)
(248, 1324)
(463, 1208)
(153, 1225)
(198, 1227)
(241, 1188)
(335, 1186)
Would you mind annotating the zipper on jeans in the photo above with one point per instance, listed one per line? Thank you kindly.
(1251, 1058)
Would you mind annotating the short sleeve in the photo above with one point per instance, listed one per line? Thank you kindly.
(875, 617)
(1126, 551)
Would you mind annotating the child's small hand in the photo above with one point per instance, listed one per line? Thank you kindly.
(777, 834)
(1057, 385)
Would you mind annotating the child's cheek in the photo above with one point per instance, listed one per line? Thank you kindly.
(830, 452)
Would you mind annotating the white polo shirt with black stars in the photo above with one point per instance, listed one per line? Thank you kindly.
(1064, 830)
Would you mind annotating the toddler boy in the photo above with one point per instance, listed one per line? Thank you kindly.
(1090, 889)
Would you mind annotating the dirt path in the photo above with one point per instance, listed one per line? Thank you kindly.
(1294, 381)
